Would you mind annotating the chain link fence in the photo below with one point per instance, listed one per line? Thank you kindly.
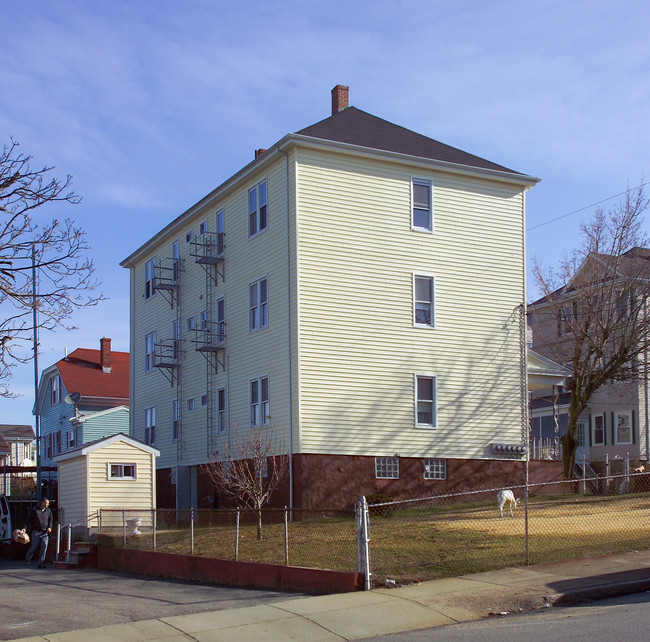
(324, 539)
(452, 535)
(411, 540)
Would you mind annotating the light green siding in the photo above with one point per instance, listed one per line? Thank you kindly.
(359, 350)
(105, 424)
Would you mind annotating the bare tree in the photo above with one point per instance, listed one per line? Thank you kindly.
(53, 253)
(594, 316)
(251, 471)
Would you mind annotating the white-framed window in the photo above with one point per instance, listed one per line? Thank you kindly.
(149, 274)
(203, 320)
(175, 419)
(421, 205)
(48, 446)
(425, 401)
(387, 467)
(581, 434)
(622, 427)
(189, 236)
(55, 390)
(204, 401)
(189, 324)
(221, 410)
(203, 228)
(258, 304)
(423, 301)
(597, 430)
(189, 405)
(257, 218)
(58, 442)
(220, 328)
(150, 426)
(70, 441)
(259, 401)
(435, 469)
(176, 261)
(176, 339)
(122, 471)
(149, 348)
(221, 233)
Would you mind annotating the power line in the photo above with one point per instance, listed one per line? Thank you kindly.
(586, 207)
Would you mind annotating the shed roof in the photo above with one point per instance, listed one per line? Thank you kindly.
(91, 446)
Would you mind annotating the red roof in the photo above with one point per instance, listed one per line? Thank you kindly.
(82, 372)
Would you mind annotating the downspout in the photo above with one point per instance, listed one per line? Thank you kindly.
(645, 389)
(289, 336)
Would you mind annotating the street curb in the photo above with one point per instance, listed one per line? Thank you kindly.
(599, 592)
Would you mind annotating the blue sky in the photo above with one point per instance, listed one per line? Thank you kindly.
(150, 105)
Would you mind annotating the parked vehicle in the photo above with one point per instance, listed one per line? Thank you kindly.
(5, 521)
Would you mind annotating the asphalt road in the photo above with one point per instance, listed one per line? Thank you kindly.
(621, 618)
(39, 602)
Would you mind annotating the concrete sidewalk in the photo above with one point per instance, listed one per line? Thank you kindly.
(353, 616)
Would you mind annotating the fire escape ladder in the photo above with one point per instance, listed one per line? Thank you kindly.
(167, 277)
(207, 250)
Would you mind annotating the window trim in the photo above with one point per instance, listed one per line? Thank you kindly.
(439, 471)
(258, 208)
(122, 466)
(149, 354)
(387, 467)
(255, 313)
(416, 180)
(190, 324)
(617, 414)
(190, 402)
(593, 429)
(432, 278)
(434, 378)
(149, 278)
(55, 390)
(266, 419)
(204, 397)
(176, 416)
(221, 413)
(150, 426)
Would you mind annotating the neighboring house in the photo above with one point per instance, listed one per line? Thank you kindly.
(83, 383)
(357, 293)
(17, 450)
(615, 425)
(116, 473)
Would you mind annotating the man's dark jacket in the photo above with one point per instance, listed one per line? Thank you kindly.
(39, 519)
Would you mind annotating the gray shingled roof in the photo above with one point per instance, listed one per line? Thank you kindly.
(13, 431)
(356, 127)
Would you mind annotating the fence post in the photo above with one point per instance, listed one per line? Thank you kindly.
(584, 474)
(67, 556)
(154, 522)
(607, 474)
(363, 539)
(237, 535)
(191, 531)
(124, 528)
(99, 520)
(58, 541)
(286, 536)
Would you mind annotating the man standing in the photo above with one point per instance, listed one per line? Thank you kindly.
(39, 521)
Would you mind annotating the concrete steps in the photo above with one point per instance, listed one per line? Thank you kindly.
(82, 555)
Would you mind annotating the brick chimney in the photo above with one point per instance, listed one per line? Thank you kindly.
(259, 152)
(339, 98)
(105, 354)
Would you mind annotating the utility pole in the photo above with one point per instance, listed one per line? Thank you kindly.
(35, 336)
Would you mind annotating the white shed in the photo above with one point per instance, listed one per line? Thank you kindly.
(115, 472)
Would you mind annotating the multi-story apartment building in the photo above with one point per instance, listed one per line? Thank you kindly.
(357, 293)
(74, 390)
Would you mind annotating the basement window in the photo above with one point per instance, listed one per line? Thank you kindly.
(121, 471)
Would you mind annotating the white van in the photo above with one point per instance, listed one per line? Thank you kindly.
(5, 521)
